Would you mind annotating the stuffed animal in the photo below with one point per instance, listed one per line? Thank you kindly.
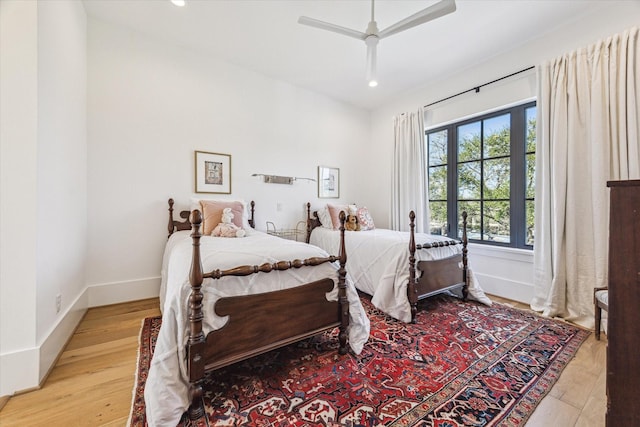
(227, 228)
(352, 224)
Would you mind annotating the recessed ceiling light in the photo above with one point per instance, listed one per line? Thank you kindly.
(178, 2)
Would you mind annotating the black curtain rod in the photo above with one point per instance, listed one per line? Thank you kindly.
(477, 88)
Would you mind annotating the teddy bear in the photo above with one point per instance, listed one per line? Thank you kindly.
(227, 228)
(352, 224)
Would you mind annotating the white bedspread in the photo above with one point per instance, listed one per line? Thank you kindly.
(378, 264)
(166, 390)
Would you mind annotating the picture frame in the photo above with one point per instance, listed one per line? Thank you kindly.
(328, 182)
(213, 172)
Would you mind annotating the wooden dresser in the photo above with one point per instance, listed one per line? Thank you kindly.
(623, 349)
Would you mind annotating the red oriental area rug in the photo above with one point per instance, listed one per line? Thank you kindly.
(462, 364)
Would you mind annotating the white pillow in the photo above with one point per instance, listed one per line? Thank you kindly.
(325, 217)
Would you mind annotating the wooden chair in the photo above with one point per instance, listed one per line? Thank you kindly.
(601, 302)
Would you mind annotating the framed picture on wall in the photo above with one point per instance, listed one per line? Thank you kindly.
(328, 182)
(213, 172)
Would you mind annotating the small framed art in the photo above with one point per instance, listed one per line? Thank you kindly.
(213, 172)
(328, 182)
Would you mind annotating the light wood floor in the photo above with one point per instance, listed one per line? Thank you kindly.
(92, 382)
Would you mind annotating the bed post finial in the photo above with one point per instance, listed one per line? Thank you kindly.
(196, 344)
(342, 290)
(465, 268)
(411, 286)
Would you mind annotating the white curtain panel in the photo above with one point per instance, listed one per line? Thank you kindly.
(409, 181)
(587, 134)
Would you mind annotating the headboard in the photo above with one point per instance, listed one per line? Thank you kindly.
(176, 225)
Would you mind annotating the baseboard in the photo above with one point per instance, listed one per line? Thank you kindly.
(117, 292)
(27, 369)
(19, 371)
(56, 340)
(3, 401)
(513, 290)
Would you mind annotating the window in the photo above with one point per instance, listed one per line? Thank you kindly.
(485, 166)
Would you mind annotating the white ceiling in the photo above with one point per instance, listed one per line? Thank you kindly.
(264, 36)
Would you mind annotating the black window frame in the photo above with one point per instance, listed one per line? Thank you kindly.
(518, 169)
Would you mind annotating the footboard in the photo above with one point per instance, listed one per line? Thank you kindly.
(438, 275)
(261, 322)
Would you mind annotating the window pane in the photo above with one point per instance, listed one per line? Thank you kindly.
(438, 183)
(497, 136)
(484, 166)
(531, 176)
(529, 204)
(437, 146)
(497, 222)
(469, 142)
(530, 115)
(497, 179)
(473, 219)
(438, 223)
(469, 180)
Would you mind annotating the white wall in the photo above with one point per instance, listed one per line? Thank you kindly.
(18, 157)
(62, 174)
(501, 272)
(150, 105)
(44, 223)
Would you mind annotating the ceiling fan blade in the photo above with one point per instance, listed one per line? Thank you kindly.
(331, 27)
(437, 10)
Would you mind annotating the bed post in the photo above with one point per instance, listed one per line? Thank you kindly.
(342, 290)
(308, 222)
(170, 226)
(411, 286)
(312, 222)
(195, 346)
(465, 268)
(252, 221)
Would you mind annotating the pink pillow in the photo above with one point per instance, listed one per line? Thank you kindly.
(212, 213)
(334, 212)
(365, 220)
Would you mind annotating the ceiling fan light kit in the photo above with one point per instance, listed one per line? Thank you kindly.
(371, 37)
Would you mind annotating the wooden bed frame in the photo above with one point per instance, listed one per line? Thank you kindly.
(438, 276)
(261, 322)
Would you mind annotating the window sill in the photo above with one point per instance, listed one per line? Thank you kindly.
(512, 254)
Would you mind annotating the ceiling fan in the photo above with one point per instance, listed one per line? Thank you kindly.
(372, 35)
